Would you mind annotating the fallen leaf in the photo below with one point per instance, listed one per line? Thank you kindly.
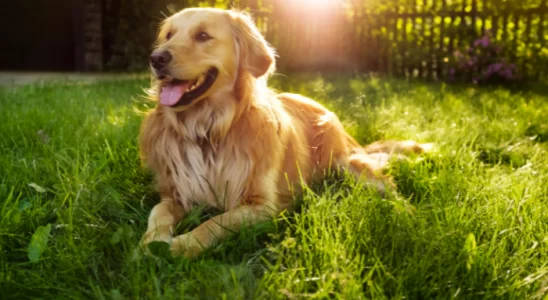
(43, 136)
(39, 242)
(38, 188)
(117, 236)
(23, 205)
(115, 294)
(471, 249)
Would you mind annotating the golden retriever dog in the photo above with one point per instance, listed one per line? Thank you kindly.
(219, 136)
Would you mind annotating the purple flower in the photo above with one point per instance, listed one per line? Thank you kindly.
(507, 74)
(492, 69)
(482, 61)
(484, 42)
(496, 67)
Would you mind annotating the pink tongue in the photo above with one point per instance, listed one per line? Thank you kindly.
(172, 92)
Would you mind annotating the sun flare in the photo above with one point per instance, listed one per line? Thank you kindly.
(312, 4)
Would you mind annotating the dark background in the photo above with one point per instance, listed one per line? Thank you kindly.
(39, 35)
(473, 40)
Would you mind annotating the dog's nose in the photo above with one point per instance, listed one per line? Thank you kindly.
(160, 59)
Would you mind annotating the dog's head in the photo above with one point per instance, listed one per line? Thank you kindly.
(203, 50)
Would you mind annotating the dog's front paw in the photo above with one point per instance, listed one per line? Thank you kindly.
(154, 239)
(186, 245)
(156, 236)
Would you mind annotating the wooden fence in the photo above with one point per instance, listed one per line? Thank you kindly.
(397, 37)
(402, 37)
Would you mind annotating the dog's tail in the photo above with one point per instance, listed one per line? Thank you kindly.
(397, 148)
(378, 154)
(373, 159)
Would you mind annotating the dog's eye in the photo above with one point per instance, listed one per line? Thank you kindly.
(202, 36)
(168, 35)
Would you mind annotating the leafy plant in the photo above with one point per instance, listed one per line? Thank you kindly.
(39, 242)
(484, 61)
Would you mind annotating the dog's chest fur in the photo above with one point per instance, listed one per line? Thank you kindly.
(208, 170)
(212, 174)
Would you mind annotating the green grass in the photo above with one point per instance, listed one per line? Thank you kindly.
(470, 220)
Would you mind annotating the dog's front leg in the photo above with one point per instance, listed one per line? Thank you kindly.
(217, 228)
(162, 221)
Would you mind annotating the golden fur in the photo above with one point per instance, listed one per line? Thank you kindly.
(240, 147)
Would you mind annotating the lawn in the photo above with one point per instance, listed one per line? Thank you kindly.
(470, 219)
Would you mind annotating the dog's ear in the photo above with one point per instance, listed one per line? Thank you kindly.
(256, 56)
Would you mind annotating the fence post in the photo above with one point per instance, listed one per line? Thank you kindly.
(474, 15)
(495, 24)
(462, 25)
(543, 10)
(432, 51)
(528, 24)
(505, 24)
(441, 49)
(393, 54)
(451, 43)
(482, 15)
(405, 42)
(415, 67)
